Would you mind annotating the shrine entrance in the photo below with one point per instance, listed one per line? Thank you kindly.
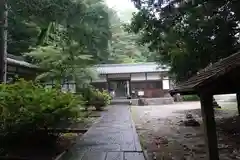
(120, 87)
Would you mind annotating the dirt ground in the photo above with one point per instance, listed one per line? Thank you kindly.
(164, 138)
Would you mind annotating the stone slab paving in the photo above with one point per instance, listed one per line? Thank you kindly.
(113, 137)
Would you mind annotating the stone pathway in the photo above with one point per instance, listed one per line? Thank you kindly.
(113, 137)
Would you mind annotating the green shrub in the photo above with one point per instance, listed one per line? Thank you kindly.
(190, 98)
(87, 93)
(96, 98)
(26, 108)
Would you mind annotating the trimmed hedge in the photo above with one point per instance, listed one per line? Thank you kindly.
(190, 98)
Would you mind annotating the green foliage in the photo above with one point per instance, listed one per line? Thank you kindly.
(188, 36)
(100, 99)
(95, 97)
(27, 107)
(89, 25)
(59, 63)
(190, 98)
(123, 46)
(70, 42)
(87, 93)
(51, 22)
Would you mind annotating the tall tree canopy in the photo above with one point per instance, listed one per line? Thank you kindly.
(97, 29)
(86, 22)
(188, 35)
(124, 47)
(64, 37)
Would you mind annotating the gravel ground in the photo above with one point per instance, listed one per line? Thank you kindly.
(164, 138)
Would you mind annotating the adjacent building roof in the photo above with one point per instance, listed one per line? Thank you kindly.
(20, 63)
(129, 68)
(209, 74)
(18, 60)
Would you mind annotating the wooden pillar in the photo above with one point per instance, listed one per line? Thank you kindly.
(107, 84)
(238, 102)
(130, 85)
(128, 88)
(209, 126)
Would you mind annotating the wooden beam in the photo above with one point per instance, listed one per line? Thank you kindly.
(238, 102)
(209, 126)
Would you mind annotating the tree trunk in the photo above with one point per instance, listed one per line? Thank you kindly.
(238, 102)
(43, 36)
(3, 40)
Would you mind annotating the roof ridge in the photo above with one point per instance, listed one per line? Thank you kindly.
(209, 73)
(21, 63)
(127, 64)
(210, 65)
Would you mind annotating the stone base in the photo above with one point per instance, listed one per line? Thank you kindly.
(149, 101)
(155, 101)
(142, 102)
(121, 102)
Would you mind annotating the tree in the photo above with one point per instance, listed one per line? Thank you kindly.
(86, 21)
(3, 40)
(124, 47)
(28, 22)
(68, 47)
(188, 36)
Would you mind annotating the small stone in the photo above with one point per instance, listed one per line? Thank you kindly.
(189, 116)
(185, 148)
(191, 123)
(164, 141)
(188, 135)
(222, 146)
(198, 150)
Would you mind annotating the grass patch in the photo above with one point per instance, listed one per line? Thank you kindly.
(142, 141)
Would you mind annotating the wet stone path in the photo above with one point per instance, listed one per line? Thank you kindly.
(113, 137)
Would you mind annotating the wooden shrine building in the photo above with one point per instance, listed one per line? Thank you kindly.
(222, 77)
(127, 79)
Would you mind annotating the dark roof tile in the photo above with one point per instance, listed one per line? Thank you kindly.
(208, 74)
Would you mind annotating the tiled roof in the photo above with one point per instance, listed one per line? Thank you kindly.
(19, 60)
(209, 74)
(129, 68)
